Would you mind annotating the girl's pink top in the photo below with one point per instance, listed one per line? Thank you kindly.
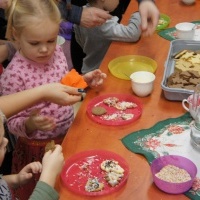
(22, 74)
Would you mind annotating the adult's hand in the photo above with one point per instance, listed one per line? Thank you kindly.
(92, 17)
(4, 3)
(150, 16)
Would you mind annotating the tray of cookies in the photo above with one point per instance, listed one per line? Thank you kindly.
(182, 69)
(95, 173)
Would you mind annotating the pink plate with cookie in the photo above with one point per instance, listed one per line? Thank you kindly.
(95, 173)
(114, 109)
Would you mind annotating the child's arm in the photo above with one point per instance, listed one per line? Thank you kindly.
(52, 164)
(24, 176)
(54, 92)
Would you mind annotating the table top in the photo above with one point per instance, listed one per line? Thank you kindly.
(85, 134)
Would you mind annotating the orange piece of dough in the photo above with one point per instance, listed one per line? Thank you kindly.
(74, 79)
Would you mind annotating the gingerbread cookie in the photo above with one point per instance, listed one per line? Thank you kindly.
(50, 146)
(99, 110)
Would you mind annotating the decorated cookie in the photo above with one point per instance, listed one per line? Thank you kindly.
(112, 166)
(93, 185)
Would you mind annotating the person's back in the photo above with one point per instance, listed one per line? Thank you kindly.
(95, 41)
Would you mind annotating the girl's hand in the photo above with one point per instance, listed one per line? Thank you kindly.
(94, 78)
(25, 175)
(39, 122)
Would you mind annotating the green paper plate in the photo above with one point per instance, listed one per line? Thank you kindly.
(163, 22)
(122, 67)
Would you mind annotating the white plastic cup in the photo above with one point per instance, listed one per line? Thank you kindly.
(185, 30)
(142, 83)
(188, 2)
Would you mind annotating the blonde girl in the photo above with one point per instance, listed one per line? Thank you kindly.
(34, 26)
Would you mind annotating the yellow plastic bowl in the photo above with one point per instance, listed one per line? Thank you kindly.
(122, 67)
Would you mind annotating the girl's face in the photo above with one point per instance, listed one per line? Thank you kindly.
(37, 41)
(3, 143)
(110, 5)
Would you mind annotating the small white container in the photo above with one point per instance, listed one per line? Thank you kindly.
(185, 30)
(142, 83)
(188, 2)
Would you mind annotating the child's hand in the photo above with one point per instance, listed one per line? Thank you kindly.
(95, 78)
(27, 172)
(52, 163)
(60, 94)
(39, 122)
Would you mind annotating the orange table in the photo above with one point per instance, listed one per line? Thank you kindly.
(85, 134)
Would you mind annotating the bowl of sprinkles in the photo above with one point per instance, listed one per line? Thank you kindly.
(173, 174)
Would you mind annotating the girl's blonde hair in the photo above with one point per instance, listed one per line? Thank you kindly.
(20, 11)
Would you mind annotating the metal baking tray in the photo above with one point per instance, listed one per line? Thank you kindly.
(176, 94)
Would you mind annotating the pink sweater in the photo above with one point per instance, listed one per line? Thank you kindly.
(23, 74)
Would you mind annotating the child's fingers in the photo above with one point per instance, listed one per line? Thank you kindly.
(36, 167)
(58, 148)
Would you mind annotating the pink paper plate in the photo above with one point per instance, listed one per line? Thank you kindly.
(74, 177)
(98, 101)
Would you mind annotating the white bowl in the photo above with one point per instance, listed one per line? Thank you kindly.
(142, 83)
(188, 2)
(185, 30)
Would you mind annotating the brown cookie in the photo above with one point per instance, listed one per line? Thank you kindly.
(50, 146)
(194, 73)
(194, 81)
(98, 110)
